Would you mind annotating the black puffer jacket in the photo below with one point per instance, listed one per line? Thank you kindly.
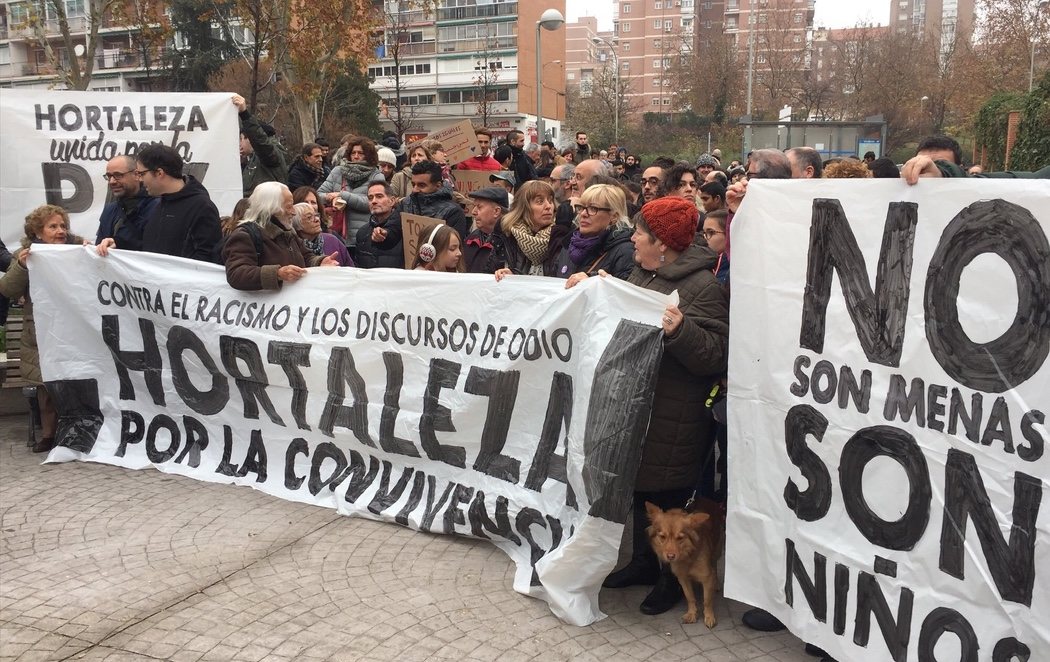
(614, 255)
(438, 204)
(694, 358)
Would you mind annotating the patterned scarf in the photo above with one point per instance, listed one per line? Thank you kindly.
(356, 174)
(533, 244)
(316, 245)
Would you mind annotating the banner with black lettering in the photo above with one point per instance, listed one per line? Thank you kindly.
(888, 393)
(56, 145)
(450, 403)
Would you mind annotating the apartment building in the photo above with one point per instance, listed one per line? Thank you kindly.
(649, 36)
(123, 61)
(939, 19)
(469, 59)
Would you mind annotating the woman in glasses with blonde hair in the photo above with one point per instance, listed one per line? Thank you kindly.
(602, 238)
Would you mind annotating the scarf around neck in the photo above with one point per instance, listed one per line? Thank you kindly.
(533, 244)
(580, 247)
(356, 174)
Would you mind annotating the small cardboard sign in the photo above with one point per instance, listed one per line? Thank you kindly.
(411, 226)
(468, 181)
(459, 141)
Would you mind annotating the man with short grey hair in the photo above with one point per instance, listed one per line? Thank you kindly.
(585, 170)
(805, 163)
(123, 219)
(560, 177)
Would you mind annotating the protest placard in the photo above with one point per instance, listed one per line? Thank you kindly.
(511, 415)
(63, 140)
(468, 181)
(888, 392)
(459, 141)
(411, 226)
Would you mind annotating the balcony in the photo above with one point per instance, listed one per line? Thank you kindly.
(127, 58)
(405, 50)
(478, 45)
(477, 11)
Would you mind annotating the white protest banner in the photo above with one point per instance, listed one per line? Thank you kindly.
(888, 391)
(56, 145)
(450, 403)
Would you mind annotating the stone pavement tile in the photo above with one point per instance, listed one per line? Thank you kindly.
(28, 643)
(163, 567)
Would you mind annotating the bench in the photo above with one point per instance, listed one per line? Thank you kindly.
(11, 372)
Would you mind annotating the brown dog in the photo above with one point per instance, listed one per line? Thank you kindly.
(692, 544)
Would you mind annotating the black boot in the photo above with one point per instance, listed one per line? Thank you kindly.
(664, 596)
(761, 620)
(643, 568)
(44, 445)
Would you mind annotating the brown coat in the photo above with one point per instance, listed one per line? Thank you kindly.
(245, 270)
(677, 441)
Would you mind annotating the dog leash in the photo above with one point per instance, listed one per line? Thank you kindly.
(711, 397)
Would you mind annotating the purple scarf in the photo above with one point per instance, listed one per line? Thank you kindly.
(580, 247)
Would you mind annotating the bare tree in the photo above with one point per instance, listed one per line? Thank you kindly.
(397, 43)
(486, 80)
(75, 70)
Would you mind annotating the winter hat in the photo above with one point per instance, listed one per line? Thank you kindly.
(706, 159)
(386, 155)
(672, 221)
(495, 194)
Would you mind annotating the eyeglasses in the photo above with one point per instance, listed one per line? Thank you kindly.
(590, 209)
(140, 173)
(116, 175)
(710, 233)
(652, 181)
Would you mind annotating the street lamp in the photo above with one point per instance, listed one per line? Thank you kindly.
(551, 19)
(1036, 24)
(612, 44)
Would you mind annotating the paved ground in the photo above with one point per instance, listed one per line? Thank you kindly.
(103, 563)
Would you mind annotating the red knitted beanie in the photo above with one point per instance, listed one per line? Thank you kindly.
(672, 220)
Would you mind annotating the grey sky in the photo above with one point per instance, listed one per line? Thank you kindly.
(829, 13)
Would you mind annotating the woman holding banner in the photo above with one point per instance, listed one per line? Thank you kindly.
(307, 223)
(47, 224)
(602, 239)
(696, 348)
(264, 252)
(535, 246)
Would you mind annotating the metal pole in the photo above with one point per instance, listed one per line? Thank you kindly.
(539, 89)
(616, 97)
(750, 77)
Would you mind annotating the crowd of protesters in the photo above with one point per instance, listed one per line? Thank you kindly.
(573, 214)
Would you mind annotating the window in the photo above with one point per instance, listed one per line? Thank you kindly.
(570, 76)
(667, 26)
(656, 63)
(656, 82)
(761, 58)
(626, 8)
(656, 43)
(797, 39)
(626, 66)
(473, 95)
(5, 54)
(667, 82)
(656, 102)
(656, 24)
(658, 4)
(798, 18)
(666, 102)
(687, 4)
(625, 27)
(626, 46)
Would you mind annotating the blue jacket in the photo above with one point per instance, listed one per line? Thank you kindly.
(126, 230)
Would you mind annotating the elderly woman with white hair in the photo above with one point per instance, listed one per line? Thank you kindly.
(307, 222)
(264, 252)
(602, 239)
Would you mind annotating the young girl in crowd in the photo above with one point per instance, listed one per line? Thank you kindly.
(440, 249)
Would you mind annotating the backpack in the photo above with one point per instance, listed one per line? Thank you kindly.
(253, 230)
